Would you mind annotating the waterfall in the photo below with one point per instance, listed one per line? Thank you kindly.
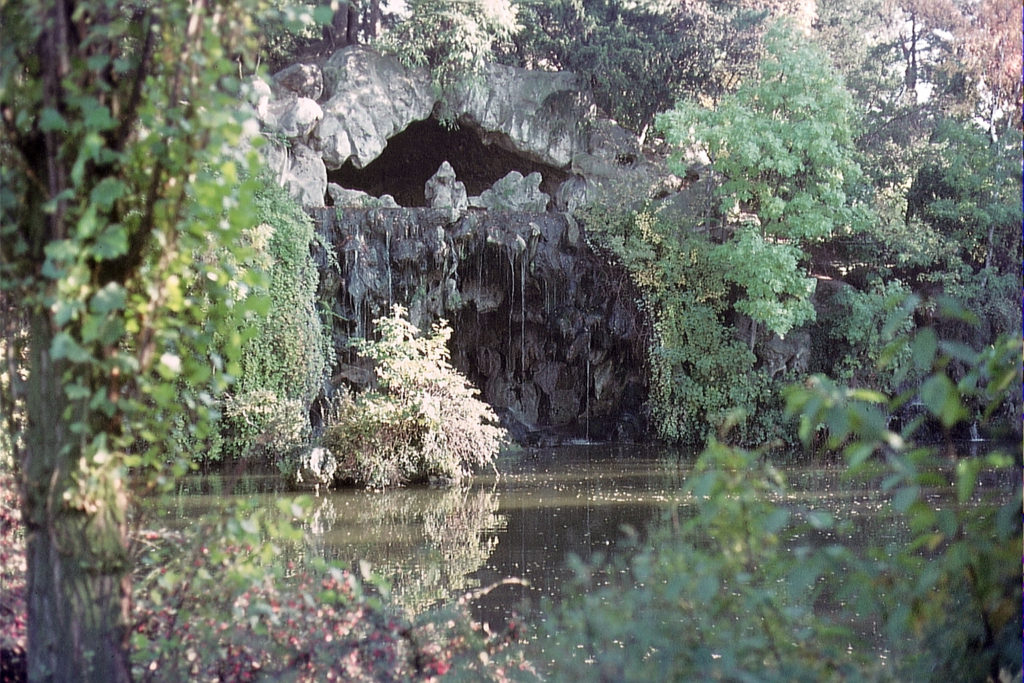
(511, 300)
(587, 413)
(522, 322)
(387, 260)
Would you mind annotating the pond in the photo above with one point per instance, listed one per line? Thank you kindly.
(546, 505)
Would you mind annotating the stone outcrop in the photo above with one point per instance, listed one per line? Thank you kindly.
(545, 327)
(342, 198)
(514, 193)
(443, 191)
(368, 98)
(343, 113)
(536, 113)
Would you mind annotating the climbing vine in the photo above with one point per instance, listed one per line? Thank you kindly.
(699, 368)
(285, 354)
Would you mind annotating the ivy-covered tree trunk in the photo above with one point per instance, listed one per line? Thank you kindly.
(121, 159)
(78, 589)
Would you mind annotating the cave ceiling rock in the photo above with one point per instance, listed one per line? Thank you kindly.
(349, 107)
(343, 113)
(369, 97)
(536, 113)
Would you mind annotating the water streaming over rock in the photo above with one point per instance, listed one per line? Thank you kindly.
(496, 276)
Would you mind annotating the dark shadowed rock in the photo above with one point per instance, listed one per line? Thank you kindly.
(548, 331)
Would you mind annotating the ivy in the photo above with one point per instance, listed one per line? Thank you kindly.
(286, 355)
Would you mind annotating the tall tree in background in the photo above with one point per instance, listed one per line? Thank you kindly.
(452, 38)
(783, 144)
(638, 58)
(990, 52)
(121, 206)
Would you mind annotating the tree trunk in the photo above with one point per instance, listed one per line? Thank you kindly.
(74, 512)
(76, 550)
(372, 26)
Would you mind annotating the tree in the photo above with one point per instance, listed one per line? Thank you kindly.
(989, 51)
(452, 38)
(638, 58)
(783, 144)
(122, 180)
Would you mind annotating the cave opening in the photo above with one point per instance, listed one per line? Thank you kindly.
(414, 155)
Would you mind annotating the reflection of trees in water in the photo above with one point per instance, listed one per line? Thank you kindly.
(424, 542)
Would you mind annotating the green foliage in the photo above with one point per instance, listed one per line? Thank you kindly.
(285, 355)
(700, 371)
(125, 168)
(776, 294)
(452, 38)
(133, 308)
(951, 595)
(13, 631)
(425, 422)
(860, 328)
(784, 148)
(745, 586)
(637, 58)
(783, 142)
(288, 28)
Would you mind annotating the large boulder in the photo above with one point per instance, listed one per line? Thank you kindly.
(305, 176)
(344, 198)
(293, 118)
(369, 97)
(304, 80)
(514, 193)
(444, 191)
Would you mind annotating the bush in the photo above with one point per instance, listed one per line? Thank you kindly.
(426, 421)
(718, 596)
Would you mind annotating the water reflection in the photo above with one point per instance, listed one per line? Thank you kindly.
(547, 504)
(426, 542)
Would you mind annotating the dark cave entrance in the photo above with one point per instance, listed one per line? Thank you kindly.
(414, 155)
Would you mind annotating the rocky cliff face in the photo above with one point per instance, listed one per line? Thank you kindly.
(544, 326)
(471, 223)
(363, 121)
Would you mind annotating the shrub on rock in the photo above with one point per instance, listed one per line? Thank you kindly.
(422, 422)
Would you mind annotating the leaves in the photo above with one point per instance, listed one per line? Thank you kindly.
(783, 145)
(426, 421)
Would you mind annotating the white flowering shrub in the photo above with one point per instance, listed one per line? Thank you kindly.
(422, 422)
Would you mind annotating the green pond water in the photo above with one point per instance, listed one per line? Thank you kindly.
(545, 505)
